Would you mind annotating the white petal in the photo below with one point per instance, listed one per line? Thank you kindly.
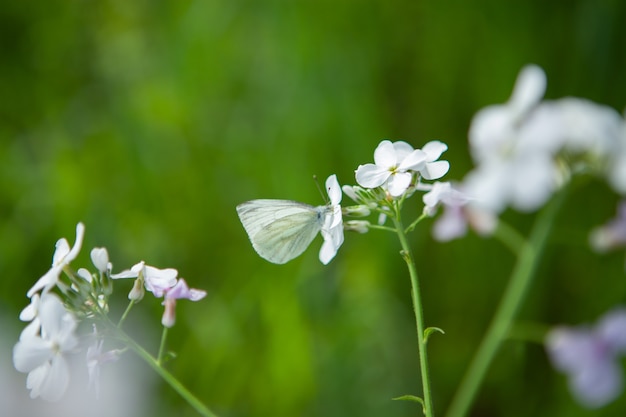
(78, 244)
(30, 353)
(399, 182)
(402, 150)
(529, 89)
(451, 225)
(488, 186)
(333, 239)
(434, 149)
(30, 311)
(158, 280)
(61, 251)
(36, 378)
(349, 191)
(57, 323)
(437, 194)
(32, 330)
(491, 130)
(46, 282)
(413, 161)
(58, 378)
(132, 272)
(385, 155)
(532, 182)
(327, 252)
(371, 176)
(167, 274)
(333, 189)
(125, 274)
(435, 170)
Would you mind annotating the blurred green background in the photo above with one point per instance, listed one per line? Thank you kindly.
(150, 121)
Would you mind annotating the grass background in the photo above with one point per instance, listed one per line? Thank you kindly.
(150, 121)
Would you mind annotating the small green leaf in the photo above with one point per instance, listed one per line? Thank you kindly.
(430, 330)
(409, 398)
(414, 399)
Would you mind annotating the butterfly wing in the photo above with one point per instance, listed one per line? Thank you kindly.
(280, 230)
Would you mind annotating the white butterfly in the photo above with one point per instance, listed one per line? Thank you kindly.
(281, 230)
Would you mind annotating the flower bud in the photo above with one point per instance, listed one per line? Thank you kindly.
(357, 211)
(84, 274)
(169, 314)
(359, 226)
(136, 294)
(100, 259)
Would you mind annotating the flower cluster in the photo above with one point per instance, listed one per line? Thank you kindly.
(281, 230)
(590, 357)
(397, 164)
(526, 149)
(62, 298)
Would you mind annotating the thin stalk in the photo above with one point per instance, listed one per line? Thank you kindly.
(407, 254)
(510, 237)
(510, 303)
(191, 399)
(162, 346)
(123, 318)
(415, 222)
(171, 380)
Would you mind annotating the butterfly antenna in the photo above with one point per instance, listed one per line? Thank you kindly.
(319, 188)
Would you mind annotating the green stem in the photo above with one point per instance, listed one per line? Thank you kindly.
(415, 222)
(514, 294)
(123, 318)
(169, 378)
(378, 227)
(407, 254)
(509, 237)
(162, 346)
(191, 399)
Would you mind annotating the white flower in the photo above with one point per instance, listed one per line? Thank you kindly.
(156, 280)
(442, 193)
(459, 212)
(332, 229)
(42, 356)
(590, 358)
(512, 170)
(396, 162)
(178, 291)
(62, 257)
(516, 145)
